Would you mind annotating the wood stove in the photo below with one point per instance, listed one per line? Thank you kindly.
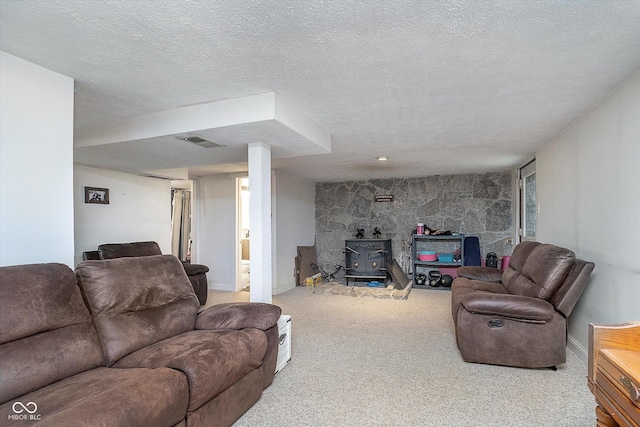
(367, 259)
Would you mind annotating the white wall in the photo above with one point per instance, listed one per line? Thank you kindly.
(587, 188)
(293, 216)
(294, 225)
(139, 209)
(36, 164)
(216, 241)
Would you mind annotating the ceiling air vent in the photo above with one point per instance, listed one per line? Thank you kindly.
(201, 142)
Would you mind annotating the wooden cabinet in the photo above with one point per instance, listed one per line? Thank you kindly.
(614, 373)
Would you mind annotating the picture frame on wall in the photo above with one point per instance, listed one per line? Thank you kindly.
(96, 195)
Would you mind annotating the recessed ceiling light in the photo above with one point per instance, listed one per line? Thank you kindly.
(382, 158)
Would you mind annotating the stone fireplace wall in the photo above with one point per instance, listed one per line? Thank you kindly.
(474, 204)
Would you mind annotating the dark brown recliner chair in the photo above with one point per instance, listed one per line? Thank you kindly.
(51, 360)
(197, 273)
(146, 316)
(518, 317)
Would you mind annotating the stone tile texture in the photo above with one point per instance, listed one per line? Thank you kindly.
(473, 204)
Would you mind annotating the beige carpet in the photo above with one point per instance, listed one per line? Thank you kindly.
(385, 362)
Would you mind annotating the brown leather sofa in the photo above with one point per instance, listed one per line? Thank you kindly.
(121, 343)
(518, 317)
(197, 272)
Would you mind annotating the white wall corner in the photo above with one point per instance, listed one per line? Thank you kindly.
(290, 116)
(282, 288)
(36, 165)
(260, 243)
(222, 287)
(578, 349)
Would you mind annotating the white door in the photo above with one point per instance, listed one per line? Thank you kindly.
(528, 205)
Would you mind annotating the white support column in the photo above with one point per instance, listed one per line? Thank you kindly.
(260, 222)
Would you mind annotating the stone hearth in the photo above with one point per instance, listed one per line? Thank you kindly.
(361, 290)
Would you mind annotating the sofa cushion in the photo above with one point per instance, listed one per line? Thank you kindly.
(229, 405)
(211, 360)
(46, 333)
(108, 397)
(542, 274)
(548, 266)
(520, 254)
(136, 302)
(480, 273)
(135, 249)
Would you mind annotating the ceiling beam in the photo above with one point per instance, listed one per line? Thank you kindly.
(213, 115)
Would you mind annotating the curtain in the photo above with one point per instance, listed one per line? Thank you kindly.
(181, 225)
(185, 234)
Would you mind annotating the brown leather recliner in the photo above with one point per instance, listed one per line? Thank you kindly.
(146, 316)
(123, 343)
(518, 317)
(197, 273)
(52, 362)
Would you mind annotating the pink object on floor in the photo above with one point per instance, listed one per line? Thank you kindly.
(505, 262)
(451, 271)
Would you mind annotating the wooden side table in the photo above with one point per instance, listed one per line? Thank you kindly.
(614, 373)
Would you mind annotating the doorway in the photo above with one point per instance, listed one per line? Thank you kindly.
(243, 234)
(181, 224)
(528, 206)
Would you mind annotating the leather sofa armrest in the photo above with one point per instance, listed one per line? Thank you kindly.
(487, 274)
(516, 307)
(193, 269)
(239, 315)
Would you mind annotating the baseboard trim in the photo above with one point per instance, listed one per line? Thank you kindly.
(283, 288)
(221, 287)
(578, 349)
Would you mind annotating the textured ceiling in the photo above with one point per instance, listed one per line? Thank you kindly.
(439, 86)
